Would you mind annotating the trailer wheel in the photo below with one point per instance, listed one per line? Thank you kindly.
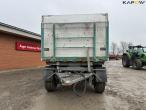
(50, 84)
(125, 61)
(137, 64)
(99, 87)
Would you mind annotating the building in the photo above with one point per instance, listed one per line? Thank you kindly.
(19, 48)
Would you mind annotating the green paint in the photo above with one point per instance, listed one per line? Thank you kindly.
(74, 59)
(128, 54)
(42, 41)
(94, 41)
(54, 41)
(107, 40)
(143, 59)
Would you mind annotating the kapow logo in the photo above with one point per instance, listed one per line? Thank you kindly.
(137, 2)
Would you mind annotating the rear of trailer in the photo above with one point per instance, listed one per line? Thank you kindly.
(75, 48)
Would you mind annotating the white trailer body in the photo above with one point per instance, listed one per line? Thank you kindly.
(67, 37)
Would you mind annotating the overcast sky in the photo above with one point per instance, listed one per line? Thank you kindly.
(127, 22)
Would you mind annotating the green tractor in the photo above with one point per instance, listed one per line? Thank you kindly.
(135, 56)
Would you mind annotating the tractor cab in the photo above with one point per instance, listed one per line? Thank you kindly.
(135, 56)
(137, 49)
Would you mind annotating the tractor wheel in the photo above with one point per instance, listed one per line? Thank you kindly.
(125, 61)
(50, 84)
(137, 64)
(99, 87)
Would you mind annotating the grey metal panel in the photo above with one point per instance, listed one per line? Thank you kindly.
(74, 19)
(100, 39)
(75, 31)
(48, 40)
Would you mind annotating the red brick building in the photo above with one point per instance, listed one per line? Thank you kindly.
(19, 48)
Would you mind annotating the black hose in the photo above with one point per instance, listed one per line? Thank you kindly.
(85, 86)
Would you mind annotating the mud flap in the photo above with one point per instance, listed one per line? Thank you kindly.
(101, 75)
(47, 73)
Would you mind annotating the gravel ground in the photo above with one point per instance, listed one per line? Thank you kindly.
(24, 90)
(18, 88)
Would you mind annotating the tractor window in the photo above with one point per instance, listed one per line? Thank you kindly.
(135, 50)
(144, 49)
(130, 50)
(140, 50)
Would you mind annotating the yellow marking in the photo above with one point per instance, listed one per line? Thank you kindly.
(136, 1)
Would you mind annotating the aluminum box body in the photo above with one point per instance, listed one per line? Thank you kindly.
(68, 37)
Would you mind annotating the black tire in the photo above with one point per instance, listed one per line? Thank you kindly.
(125, 61)
(137, 64)
(99, 87)
(51, 84)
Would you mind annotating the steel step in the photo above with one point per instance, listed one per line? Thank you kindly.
(68, 79)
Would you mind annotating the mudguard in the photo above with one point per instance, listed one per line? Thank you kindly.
(47, 73)
(101, 75)
(127, 55)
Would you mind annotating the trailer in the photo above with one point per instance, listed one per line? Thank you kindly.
(75, 48)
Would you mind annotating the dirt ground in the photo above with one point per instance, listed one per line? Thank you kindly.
(24, 90)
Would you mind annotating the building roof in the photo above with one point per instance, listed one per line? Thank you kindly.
(18, 31)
